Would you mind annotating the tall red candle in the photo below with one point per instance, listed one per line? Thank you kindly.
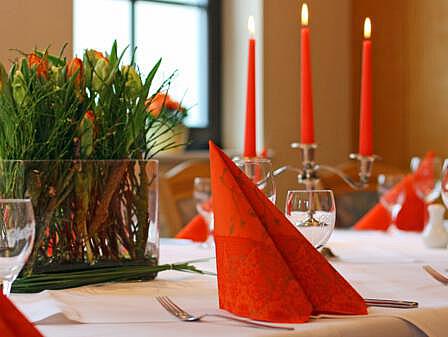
(306, 92)
(365, 124)
(250, 130)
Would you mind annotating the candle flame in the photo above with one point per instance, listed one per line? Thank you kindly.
(251, 25)
(305, 14)
(367, 28)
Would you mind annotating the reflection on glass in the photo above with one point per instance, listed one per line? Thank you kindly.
(391, 196)
(17, 227)
(259, 171)
(202, 194)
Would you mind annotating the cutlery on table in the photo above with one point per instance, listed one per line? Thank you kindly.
(181, 314)
(374, 302)
(436, 275)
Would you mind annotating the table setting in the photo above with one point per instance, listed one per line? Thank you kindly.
(80, 252)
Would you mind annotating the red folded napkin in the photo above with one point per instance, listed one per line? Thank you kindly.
(266, 269)
(196, 230)
(413, 214)
(13, 323)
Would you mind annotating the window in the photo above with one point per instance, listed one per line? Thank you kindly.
(185, 33)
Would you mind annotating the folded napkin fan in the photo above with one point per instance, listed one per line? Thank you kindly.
(196, 230)
(413, 213)
(13, 323)
(267, 270)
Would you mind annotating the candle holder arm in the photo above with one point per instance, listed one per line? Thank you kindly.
(356, 185)
(308, 174)
(285, 168)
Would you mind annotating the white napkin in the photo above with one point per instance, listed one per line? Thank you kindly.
(119, 303)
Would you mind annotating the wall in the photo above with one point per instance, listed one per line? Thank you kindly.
(25, 24)
(410, 73)
(428, 78)
(390, 69)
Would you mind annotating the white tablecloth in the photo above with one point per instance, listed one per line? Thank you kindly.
(378, 265)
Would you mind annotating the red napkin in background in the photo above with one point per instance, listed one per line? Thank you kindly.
(413, 214)
(196, 230)
(13, 323)
(266, 269)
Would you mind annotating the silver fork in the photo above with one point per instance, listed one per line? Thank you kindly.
(181, 314)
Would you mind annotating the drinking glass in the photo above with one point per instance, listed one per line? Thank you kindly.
(202, 194)
(391, 198)
(313, 213)
(444, 183)
(259, 170)
(17, 229)
(427, 180)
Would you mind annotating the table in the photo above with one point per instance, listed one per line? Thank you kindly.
(378, 265)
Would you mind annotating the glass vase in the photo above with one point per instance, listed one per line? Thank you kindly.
(89, 214)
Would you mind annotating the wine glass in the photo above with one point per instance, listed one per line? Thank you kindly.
(427, 180)
(17, 228)
(444, 183)
(391, 197)
(259, 170)
(313, 213)
(414, 163)
(202, 194)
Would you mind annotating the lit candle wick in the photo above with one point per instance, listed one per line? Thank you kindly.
(367, 28)
(304, 15)
(251, 26)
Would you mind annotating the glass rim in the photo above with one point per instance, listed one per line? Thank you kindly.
(392, 175)
(252, 160)
(308, 191)
(202, 179)
(15, 201)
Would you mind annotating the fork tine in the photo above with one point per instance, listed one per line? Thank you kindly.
(172, 307)
(162, 303)
(167, 306)
(176, 306)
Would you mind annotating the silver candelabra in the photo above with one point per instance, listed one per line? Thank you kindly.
(307, 174)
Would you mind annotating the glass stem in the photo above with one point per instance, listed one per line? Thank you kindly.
(6, 287)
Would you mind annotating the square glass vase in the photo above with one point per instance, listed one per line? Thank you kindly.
(89, 213)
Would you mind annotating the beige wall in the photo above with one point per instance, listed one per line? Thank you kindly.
(428, 80)
(410, 73)
(25, 24)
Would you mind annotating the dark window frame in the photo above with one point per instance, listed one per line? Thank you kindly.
(199, 137)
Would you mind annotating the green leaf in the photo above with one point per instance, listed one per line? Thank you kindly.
(113, 57)
(57, 61)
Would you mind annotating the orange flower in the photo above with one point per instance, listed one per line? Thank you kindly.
(74, 66)
(41, 64)
(100, 55)
(155, 105)
(90, 116)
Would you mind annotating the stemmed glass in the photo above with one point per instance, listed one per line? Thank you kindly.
(202, 194)
(17, 228)
(259, 170)
(313, 213)
(427, 180)
(444, 183)
(391, 198)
